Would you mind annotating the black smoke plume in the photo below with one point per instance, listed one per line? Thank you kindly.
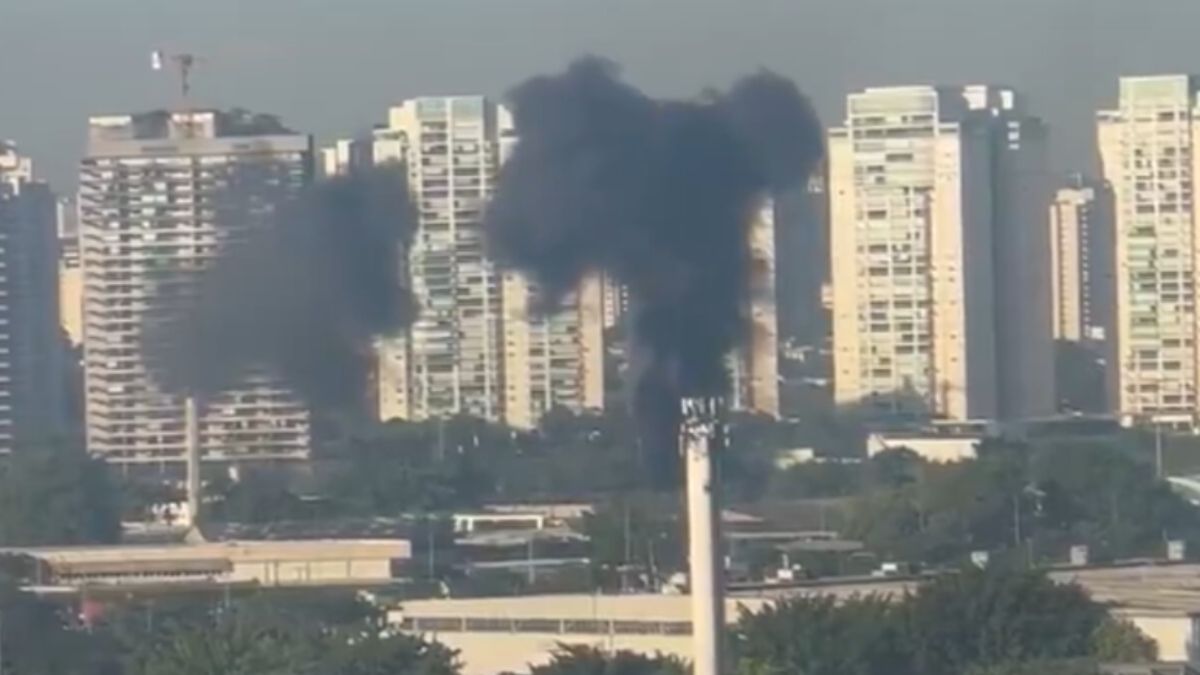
(300, 292)
(661, 196)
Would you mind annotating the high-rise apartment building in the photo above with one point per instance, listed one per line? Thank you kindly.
(15, 169)
(1148, 152)
(803, 261)
(160, 194)
(451, 359)
(755, 365)
(70, 273)
(552, 360)
(1081, 247)
(479, 345)
(616, 300)
(32, 405)
(937, 249)
(1021, 257)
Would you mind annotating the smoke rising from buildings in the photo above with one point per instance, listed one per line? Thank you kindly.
(301, 295)
(660, 195)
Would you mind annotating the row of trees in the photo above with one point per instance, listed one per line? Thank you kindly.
(440, 465)
(972, 622)
(1037, 500)
(997, 622)
(56, 495)
(277, 633)
(1033, 499)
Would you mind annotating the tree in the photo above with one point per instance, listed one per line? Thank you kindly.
(389, 654)
(57, 495)
(1109, 499)
(895, 468)
(632, 532)
(259, 496)
(820, 636)
(997, 616)
(1033, 500)
(227, 647)
(586, 660)
(817, 480)
(1118, 641)
(276, 633)
(36, 636)
(995, 622)
(1061, 667)
(888, 523)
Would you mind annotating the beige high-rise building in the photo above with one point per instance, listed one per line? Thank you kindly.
(478, 345)
(1081, 238)
(1148, 152)
(616, 300)
(552, 361)
(154, 208)
(70, 273)
(755, 366)
(450, 361)
(937, 252)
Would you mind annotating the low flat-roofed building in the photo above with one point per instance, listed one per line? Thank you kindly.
(1155, 668)
(1174, 632)
(563, 511)
(940, 448)
(508, 634)
(265, 563)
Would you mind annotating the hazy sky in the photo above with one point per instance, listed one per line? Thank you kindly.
(332, 66)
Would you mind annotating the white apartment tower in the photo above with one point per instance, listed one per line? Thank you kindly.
(1148, 152)
(450, 361)
(478, 345)
(159, 194)
(939, 243)
(32, 395)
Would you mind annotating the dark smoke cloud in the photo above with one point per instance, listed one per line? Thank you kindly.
(301, 295)
(659, 194)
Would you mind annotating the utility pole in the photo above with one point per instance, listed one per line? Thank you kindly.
(529, 560)
(628, 548)
(191, 438)
(1017, 520)
(430, 543)
(701, 438)
(1158, 451)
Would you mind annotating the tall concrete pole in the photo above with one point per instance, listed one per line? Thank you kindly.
(191, 440)
(701, 437)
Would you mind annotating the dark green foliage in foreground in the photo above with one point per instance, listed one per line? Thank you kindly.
(55, 494)
(582, 660)
(974, 621)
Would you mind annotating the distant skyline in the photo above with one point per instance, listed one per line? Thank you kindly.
(333, 68)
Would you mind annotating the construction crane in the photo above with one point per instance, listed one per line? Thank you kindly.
(184, 63)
